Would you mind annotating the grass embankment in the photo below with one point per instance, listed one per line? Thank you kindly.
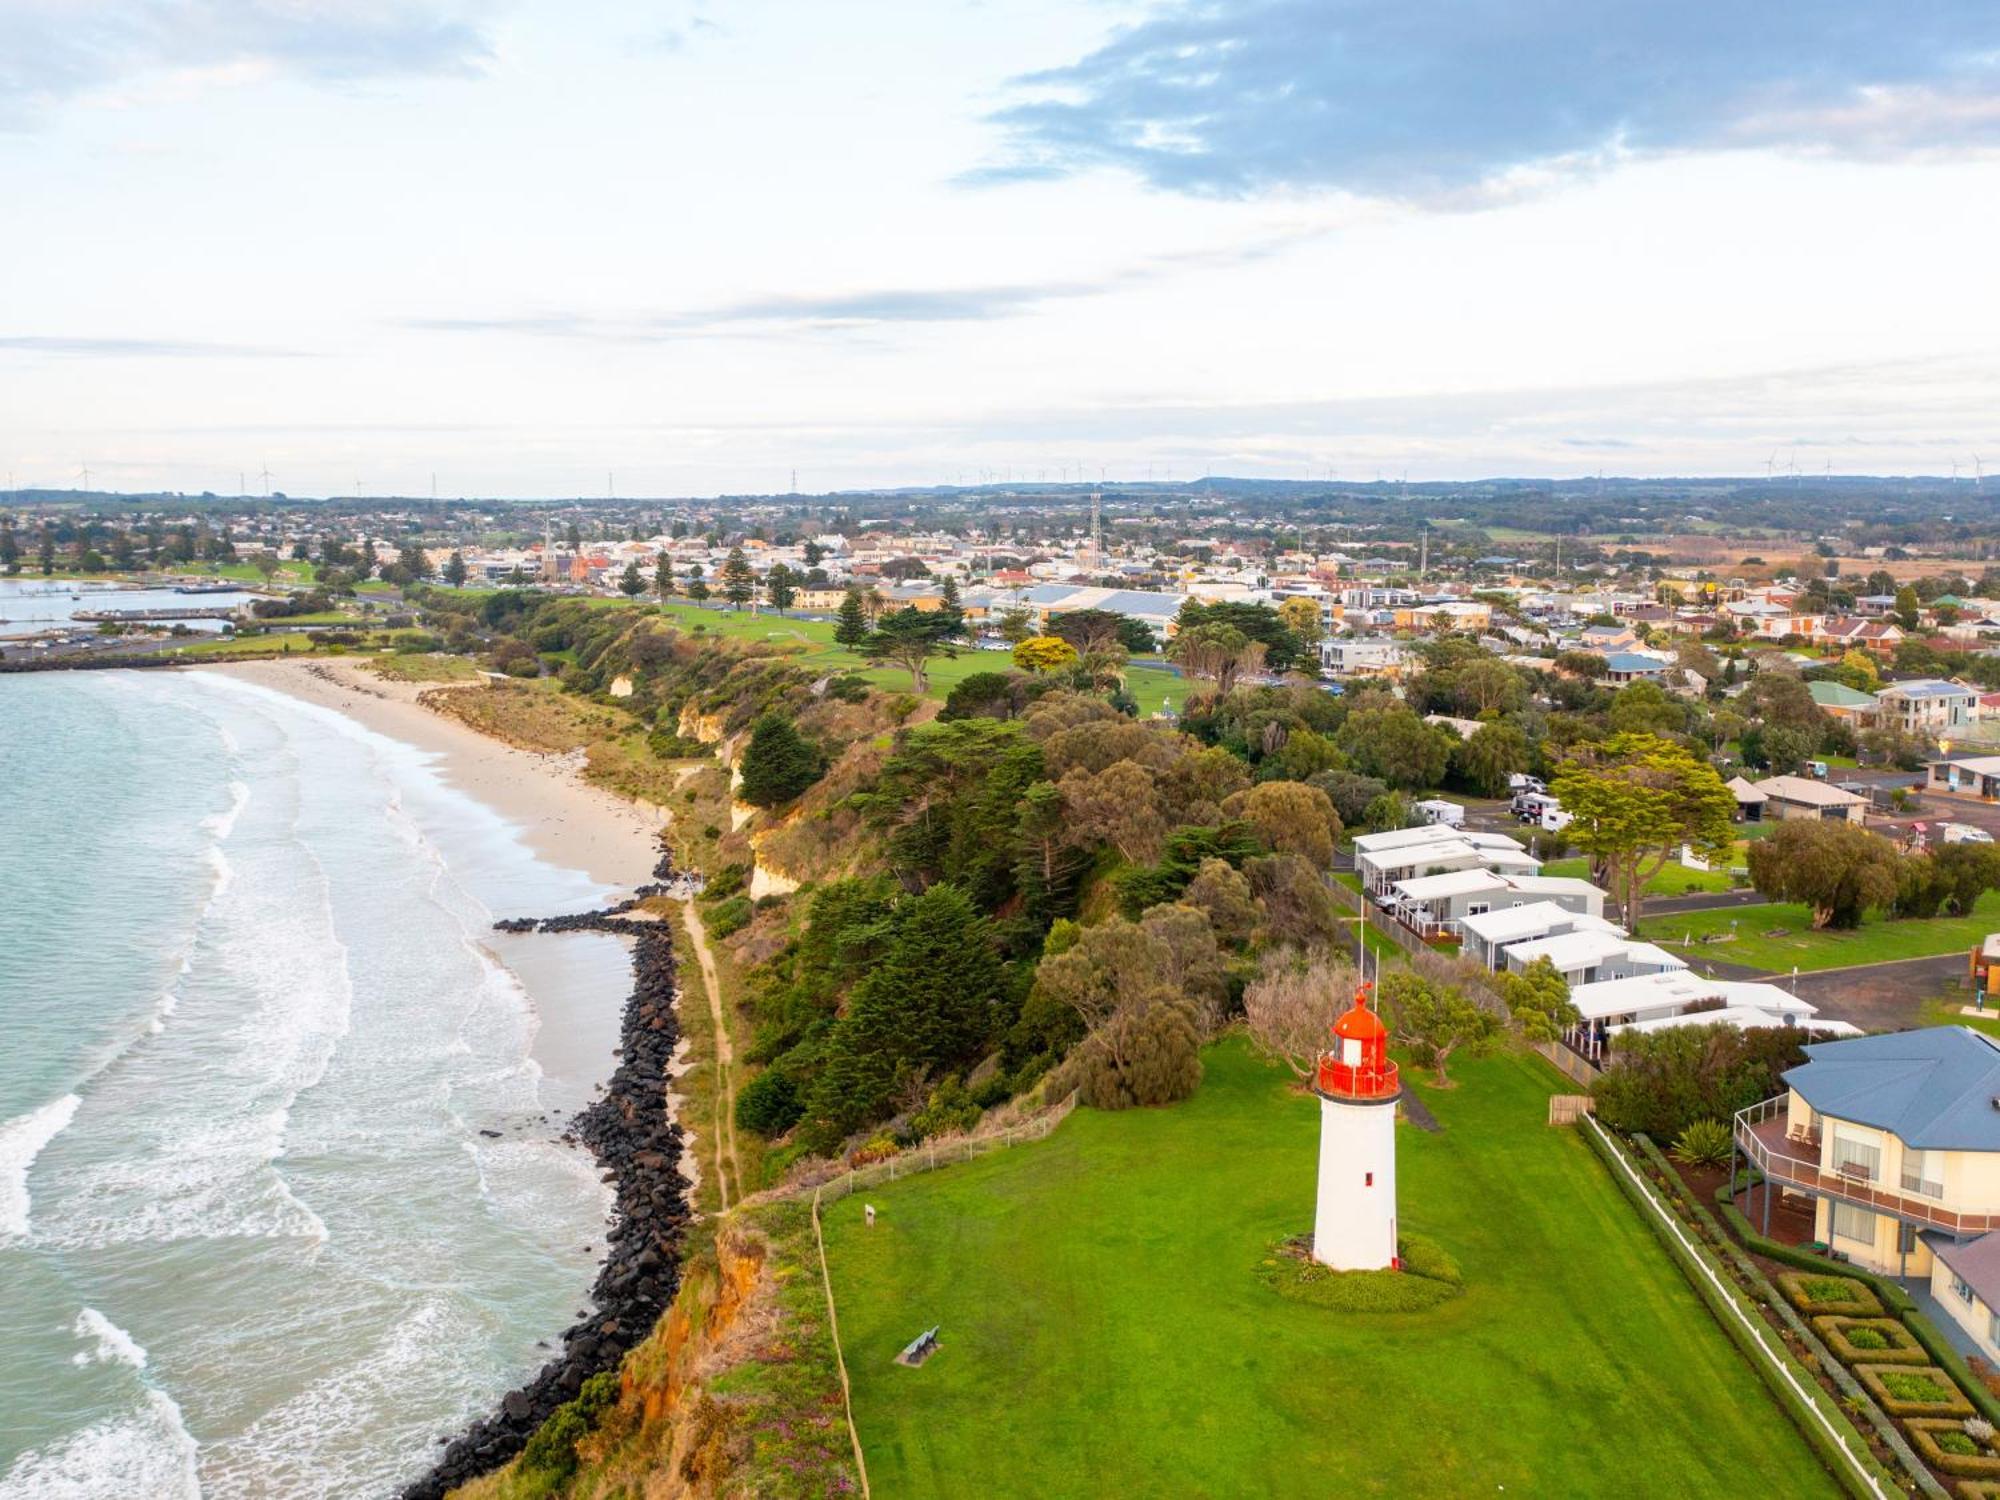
(538, 715)
(1104, 1330)
(426, 666)
(1876, 940)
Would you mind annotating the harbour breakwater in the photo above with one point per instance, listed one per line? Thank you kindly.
(631, 1133)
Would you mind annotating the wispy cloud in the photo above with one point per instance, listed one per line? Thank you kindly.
(1383, 97)
(863, 310)
(52, 51)
(65, 347)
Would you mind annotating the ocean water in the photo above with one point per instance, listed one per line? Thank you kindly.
(255, 1237)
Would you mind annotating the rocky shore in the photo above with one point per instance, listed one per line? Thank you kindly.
(638, 1145)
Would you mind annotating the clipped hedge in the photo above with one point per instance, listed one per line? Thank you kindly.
(1870, 1341)
(1804, 1410)
(1820, 1295)
(1979, 1489)
(1904, 1390)
(1927, 1432)
(1890, 1294)
(1945, 1354)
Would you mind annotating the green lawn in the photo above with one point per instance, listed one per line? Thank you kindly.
(1874, 941)
(1103, 1331)
(1153, 689)
(1672, 879)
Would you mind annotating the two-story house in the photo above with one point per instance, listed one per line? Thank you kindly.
(1896, 1139)
(1926, 707)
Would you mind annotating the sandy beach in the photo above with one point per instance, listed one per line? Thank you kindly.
(564, 819)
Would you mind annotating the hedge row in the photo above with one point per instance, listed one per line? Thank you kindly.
(1872, 1341)
(1805, 1410)
(1940, 1349)
(1825, 1293)
(1852, 1394)
(1903, 1391)
(1926, 1433)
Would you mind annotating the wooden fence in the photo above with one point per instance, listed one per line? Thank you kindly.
(1569, 1064)
(939, 1153)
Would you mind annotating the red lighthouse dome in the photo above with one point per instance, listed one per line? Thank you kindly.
(1358, 1067)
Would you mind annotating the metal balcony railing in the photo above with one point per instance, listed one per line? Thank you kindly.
(1763, 1134)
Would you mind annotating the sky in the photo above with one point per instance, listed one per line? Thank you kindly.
(699, 246)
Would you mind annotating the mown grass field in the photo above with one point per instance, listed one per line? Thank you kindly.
(1153, 687)
(1875, 941)
(1672, 878)
(1103, 1331)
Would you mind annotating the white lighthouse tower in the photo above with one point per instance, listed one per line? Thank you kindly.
(1354, 1227)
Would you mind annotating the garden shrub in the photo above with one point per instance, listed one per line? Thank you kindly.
(725, 882)
(1907, 1391)
(549, 1459)
(1947, 1447)
(1979, 1489)
(1875, 1341)
(1429, 1276)
(769, 1104)
(728, 917)
(1841, 1295)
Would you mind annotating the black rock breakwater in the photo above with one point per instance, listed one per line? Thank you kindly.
(629, 1132)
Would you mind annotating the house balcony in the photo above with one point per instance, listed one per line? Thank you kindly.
(1791, 1159)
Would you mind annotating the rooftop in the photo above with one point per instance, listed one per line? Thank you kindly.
(1935, 1089)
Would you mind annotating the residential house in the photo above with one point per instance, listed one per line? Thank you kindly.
(1363, 656)
(1788, 797)
(1839, 701)
(1668, 998)
(1750, 799)
(1854, 634)
(1381, 859)
(1488, 935)
(1586, 956)
(1926, 706)
(1634, 666)
(1442, 905)
(1896, 1140)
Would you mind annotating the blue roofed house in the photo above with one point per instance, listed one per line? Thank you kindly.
(1896, 1141)
(1634, 666)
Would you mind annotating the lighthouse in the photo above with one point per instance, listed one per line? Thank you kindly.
(1354, 1226)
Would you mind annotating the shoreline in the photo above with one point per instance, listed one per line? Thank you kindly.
(632, 1128)
(562, 818)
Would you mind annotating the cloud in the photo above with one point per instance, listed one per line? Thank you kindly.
(65, 347)
(1388, 98)
(846, 312)
(52, 51)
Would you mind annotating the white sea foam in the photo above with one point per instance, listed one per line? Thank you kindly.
(111, 1345)
(148, 1452)
(21, 1141)
(222, 824)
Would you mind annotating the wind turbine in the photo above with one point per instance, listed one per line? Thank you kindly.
(265, 475)
(1770, 465)
(1978, 474)
(85, 473)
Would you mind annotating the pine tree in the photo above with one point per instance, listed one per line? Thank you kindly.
(931, 1001)
(779, 589)
(851, 624)
(454, 570)
(632, 583)
(778, 763)
(663, 577)
(738, 582)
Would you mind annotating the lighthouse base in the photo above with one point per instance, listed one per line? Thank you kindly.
(1354, 1222)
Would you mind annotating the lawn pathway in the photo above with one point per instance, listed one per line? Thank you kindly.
(725, 1061)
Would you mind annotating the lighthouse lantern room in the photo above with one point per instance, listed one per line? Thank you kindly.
(1354, 1227)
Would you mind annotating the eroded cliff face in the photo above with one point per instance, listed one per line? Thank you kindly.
(666, 1437)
